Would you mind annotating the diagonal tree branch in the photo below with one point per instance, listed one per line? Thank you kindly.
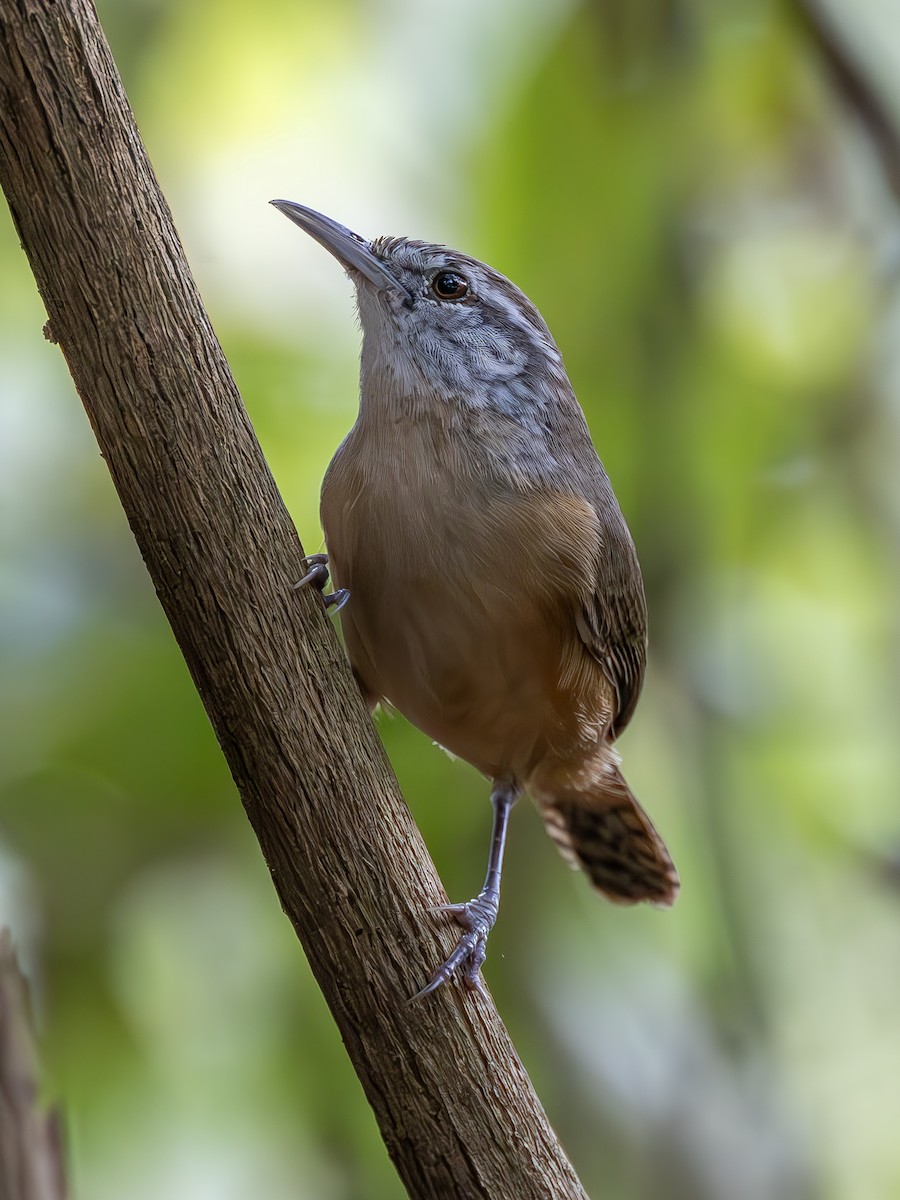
(455, 1106)
(854, 85)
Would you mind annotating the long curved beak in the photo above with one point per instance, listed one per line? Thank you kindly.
(353, 252)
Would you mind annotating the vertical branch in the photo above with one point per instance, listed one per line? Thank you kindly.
(30, 1157)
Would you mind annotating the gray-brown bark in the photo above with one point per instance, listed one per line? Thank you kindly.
(30, 1158)
(455, 1106)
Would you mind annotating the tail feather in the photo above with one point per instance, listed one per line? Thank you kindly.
(606, 833)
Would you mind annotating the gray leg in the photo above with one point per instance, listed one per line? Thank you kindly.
(317, 576)
(477, 916)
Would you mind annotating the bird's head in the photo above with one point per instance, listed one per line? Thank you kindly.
(437, 321)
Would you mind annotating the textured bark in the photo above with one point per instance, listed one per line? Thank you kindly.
(30, 1158)
(455, 1106)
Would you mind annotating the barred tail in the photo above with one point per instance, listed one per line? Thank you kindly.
(605, 831)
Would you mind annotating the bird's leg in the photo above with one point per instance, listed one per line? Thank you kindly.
(317, 576)
(477, 916)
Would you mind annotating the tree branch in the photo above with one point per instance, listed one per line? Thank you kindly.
(30, 1158)
(854, 85)
(455, 1106)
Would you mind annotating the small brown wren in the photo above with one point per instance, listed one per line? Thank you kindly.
(488, 584)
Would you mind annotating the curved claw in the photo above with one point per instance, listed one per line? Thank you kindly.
(467, 947)
(317, 577)
(336, 599)
(454, 910)
(477, 917)
(316, 573)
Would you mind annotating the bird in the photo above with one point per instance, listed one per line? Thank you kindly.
(488, 586)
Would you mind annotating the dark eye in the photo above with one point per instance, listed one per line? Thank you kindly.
(449, 285)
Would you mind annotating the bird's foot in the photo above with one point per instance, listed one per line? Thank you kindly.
(477, 917)
(317, 576)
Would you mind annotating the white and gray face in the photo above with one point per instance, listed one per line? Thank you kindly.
(434, 317)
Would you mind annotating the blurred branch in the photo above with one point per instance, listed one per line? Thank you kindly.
(853, 84)
(455, 1106)
(30, 1156)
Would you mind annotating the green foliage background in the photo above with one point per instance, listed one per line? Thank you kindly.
(710, 238)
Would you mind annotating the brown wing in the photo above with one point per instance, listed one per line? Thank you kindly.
(613, 619)
(594, 551)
